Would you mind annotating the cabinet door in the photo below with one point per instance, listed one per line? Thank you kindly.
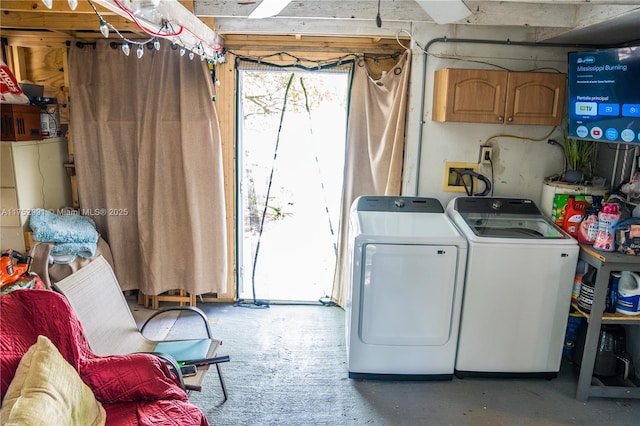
(6, 166)
(535, 98)
(468, 95)
(41, 178)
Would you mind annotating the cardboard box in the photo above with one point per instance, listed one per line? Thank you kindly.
(20, 122)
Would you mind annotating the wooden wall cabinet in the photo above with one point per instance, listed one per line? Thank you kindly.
(494, 96)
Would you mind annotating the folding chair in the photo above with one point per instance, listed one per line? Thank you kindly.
(97, 300)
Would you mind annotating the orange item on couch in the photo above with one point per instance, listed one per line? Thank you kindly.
(13, 265)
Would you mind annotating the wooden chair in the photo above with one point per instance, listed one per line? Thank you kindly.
(97, 300)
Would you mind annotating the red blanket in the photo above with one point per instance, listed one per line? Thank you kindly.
(135, 389)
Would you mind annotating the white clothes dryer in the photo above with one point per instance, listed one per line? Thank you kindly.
(406, 271)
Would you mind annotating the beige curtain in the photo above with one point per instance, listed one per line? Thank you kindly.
(148, 159)
(375, 147)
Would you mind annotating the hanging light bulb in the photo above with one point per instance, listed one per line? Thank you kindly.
(140, 51)
(156, 43)
(104, 29)
(182, 51)
(48, 3)
(191, 55)
(125, 48)
(73, 4)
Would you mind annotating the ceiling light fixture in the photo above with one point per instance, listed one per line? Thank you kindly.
(445, 11)
(268, 8)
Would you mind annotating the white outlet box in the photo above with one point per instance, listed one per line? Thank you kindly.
(486, 153)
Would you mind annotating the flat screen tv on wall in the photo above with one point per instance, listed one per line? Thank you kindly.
(604, 95)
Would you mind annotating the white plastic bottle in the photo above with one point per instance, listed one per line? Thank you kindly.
(628, 301)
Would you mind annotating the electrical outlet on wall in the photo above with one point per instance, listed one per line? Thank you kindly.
(486, 153)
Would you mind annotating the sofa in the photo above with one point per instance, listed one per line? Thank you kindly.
(49, 375)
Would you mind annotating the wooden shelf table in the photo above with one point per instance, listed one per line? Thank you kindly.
(605, 263)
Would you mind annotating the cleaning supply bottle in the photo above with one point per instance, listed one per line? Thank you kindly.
(588, 229)
(573, 216)
(608, 217)
(587, 290)
(581, 269)
(628, 301)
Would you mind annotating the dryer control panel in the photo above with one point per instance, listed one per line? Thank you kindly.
(386, 203)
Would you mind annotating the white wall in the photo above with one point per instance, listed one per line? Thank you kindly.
(519, 165)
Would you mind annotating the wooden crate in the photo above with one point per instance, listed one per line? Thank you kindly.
(178, 295)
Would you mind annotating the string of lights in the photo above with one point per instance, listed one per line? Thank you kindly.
(182, 36)
(315, 63)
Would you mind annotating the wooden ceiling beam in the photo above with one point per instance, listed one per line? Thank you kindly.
(34, 38)
(61, 21)
(14, 15)
(58, 6)
(209, 21)
(188, 4)
(297, 42)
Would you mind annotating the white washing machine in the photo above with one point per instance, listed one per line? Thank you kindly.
(517, 292)
(406, 271)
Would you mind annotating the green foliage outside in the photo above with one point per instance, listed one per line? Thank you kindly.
(268, 89)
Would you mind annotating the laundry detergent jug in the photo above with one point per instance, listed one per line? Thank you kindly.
(628, 301)
(573, 215)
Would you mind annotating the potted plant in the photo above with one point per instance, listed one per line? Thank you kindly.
(579, 155)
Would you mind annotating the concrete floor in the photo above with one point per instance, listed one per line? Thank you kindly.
(288, 367)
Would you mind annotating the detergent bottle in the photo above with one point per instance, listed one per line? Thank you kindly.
(608, 217)
(628, 301)
(588, 229)
(573, 216)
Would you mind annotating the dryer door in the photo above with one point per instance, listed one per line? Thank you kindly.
(407, 294)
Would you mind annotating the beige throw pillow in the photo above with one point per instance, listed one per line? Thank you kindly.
(47, 390)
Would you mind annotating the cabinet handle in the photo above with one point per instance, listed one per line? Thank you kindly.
(500, 118)
(510, 119)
